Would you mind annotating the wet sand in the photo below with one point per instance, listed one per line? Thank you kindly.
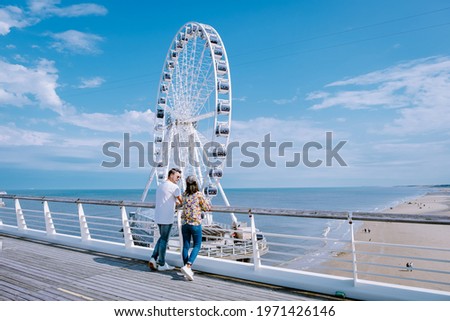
(420, 235)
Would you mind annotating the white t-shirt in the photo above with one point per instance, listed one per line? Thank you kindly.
(165, 202)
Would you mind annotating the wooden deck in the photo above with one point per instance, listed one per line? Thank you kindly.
(33, 271)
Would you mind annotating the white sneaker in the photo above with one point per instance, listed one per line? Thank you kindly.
(165, 267)
(152, 264)
(187, 272)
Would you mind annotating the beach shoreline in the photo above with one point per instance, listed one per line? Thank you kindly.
(376, 259)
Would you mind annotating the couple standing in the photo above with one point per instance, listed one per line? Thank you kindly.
(193, 203)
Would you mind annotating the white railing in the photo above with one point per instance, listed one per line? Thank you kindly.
(342, 264)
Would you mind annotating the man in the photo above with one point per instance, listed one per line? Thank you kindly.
(167, 195)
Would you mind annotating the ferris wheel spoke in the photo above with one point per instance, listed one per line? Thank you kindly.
(193, 70)
(202, 116)
(172, 97)
(176, 92)
(201, 154)
(190, 73)
(178, 83)
(198, 62)
(204, 92)
(184, 74)
(168, 109)
(197, 85)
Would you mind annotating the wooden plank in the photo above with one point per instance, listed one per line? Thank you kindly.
(41, 271)
(100, 291)
(158, 289)
(48, 275)
(5, 296)
(60, 295)
(19, 293)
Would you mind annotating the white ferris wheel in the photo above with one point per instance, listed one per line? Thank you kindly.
(193, 114)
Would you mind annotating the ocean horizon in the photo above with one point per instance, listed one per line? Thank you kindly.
(358, 198)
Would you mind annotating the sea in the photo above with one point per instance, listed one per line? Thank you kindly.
(369, 198)
(302, 253)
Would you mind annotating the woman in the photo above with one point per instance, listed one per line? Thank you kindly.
(194, 203)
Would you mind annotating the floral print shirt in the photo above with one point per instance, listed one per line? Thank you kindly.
(193, 206)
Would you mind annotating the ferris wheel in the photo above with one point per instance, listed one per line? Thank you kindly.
(193, 114)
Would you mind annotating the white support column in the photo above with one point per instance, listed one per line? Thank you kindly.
(84, 228)
(227, 203)
(256, 254)
(127, 236)
(352, 235)
(21, 223)
(49, 226)
(149, 183)
(180, 234)
(156, 234)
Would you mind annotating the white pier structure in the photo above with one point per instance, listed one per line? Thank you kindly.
(104, 226)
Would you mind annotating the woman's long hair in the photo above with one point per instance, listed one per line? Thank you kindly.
(191, 185)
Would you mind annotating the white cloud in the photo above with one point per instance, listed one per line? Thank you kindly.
(291, 130)
(23, 148)
(21, 85)
(65, 148)
(419, 89)
(77, 42)
(317, 95)
(362, 99)
(409, 149)
(20, 58)
(36, 85)
(242, 99)
(91, 82)
(50, 8)
(127, 122)
(13, 136)
(404, 161)
(13, 17)
(37, 6)
(285, 101)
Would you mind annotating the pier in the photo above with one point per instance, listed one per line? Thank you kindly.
(83, 249)
(36, 270)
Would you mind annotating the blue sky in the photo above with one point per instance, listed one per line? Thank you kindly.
(75, 75)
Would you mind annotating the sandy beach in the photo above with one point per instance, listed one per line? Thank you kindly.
(419, 235)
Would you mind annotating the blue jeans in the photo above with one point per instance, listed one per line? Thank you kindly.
(194, 232)
(159, 253)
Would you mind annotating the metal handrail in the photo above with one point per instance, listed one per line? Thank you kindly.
(90, 238)
(336, 215)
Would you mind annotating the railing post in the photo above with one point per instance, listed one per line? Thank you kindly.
(256, 254)
(84, 228)
(352, 235)
(49, 226)
(156, 234)
(21, 223)
(127, 236)
(180, 226)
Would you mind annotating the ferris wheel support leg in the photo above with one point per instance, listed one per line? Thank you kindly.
(149, 182)
(198, 153)
(227, 203)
